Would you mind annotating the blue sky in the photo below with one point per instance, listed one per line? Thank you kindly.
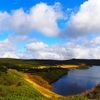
(45, 29)
(26, 4)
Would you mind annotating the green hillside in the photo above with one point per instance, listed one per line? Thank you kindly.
(14, 87)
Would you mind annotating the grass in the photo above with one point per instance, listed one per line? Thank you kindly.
(77, 97)
(84, 67)
(10, 78)
(95, 94)
(40, 81)
(12, 84)
(14, 87)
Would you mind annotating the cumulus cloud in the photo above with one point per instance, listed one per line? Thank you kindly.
(40, 17)
(95, 41)
(9, 55)
(62, 52)
(85, 21)
(4, 22)
(22, 39)
(36, 46)
(43, 18)
(40, 50)
(7, 49)
(6, 45)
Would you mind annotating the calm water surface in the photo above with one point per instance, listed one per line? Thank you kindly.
(77, 81)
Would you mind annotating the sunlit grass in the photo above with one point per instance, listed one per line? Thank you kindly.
(12, 84)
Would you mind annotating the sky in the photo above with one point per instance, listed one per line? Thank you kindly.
(50, 29)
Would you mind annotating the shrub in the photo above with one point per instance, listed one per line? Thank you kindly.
(3, 68)
(77, 97)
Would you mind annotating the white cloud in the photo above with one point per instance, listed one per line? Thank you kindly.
(61, 52)
(4, 22)
(5, 45)
(7, 49)
(43, 18)
(95, 41)
(36, 46)
(9, 55)
(40, 50)
(40, 17)
(85, 21)
(48, 55)
(21, 39)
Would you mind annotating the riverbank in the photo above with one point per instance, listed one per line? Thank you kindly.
(45, 90)
(93, 93)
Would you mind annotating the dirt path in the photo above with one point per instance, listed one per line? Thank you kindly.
(47, 93)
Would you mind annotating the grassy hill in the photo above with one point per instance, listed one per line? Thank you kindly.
(14, 87)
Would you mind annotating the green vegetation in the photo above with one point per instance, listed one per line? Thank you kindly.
(95, 94)
(77, 97)
(83, 67)
(13, 85)
(25, 64)
(49, 74)
(3, 69)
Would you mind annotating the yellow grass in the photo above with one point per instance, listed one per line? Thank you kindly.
(61, 66)
(47, 93)
(41, 67)
(69, 66)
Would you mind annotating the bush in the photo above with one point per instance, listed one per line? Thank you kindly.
(3, 68)
(77, 97)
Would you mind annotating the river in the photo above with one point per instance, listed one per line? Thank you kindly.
(77, 81)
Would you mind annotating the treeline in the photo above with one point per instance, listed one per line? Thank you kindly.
(89, 62)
